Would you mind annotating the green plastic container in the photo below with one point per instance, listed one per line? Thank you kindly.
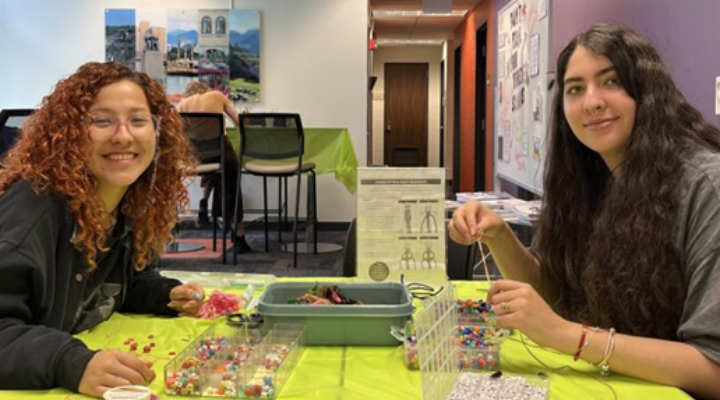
(384, 305)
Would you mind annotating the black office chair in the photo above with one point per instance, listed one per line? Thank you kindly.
(272, 145)
(11, 120)
(207, 135)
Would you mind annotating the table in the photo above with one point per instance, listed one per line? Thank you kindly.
(356, 373)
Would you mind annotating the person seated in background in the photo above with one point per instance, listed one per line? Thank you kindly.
(624, 270)
(88, 200)
(199, 97)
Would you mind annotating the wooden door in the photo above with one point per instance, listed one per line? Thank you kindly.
(406, 114)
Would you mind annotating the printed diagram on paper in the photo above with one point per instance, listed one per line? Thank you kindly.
(401, 224)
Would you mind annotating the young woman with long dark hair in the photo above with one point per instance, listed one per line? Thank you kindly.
(624, 270)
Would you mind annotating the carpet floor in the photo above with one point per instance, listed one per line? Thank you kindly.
(257, 261)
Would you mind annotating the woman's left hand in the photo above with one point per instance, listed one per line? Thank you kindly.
(187, 299)
(518, 305)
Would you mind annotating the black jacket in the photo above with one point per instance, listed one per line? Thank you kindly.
(46, 291)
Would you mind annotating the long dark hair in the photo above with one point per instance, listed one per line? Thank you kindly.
(607, 246)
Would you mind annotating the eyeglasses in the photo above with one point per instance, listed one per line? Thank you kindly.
(138, 125)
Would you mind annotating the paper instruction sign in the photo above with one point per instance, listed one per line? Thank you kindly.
(401, 224)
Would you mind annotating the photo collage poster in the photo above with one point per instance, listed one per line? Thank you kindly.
(220, 47)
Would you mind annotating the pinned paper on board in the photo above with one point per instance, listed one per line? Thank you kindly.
(537, 146)
(507, 135)
(535, 54)
(542, 9)
(537, 104)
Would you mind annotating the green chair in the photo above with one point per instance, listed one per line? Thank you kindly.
(272, 146)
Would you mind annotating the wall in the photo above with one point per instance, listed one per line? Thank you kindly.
(465, 36)
(676, 29)
(314, 61)
(410, 54)
(685, 32)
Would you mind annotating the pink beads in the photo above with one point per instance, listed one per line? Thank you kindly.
(219, 304)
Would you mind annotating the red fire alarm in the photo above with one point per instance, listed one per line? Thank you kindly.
(373, 44)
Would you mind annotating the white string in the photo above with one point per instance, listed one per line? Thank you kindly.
(522, 337)
(484, 261)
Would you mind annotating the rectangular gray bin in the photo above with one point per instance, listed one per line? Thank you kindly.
(384, 305)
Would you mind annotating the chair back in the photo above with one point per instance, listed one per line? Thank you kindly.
(11, 121)
(206, 132)
(271, 136)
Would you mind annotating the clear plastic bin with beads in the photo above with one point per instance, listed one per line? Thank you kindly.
(213, 359)
(408, 338)
(274, 360)
(223, 361)
(478, 343)
(436, 328)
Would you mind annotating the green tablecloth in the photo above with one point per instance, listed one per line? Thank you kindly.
(331, 149)
(355, 373)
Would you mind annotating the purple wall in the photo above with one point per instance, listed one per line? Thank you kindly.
(687, 34)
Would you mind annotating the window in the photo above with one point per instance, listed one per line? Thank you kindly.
(220, 25)
(206, 25)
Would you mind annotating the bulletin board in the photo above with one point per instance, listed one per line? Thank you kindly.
(522, 95)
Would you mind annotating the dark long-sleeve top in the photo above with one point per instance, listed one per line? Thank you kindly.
(47, 291)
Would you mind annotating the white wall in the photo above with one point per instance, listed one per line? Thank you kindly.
(313, 61)
(411, 54)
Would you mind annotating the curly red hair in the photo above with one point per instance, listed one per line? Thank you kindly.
(51, 154)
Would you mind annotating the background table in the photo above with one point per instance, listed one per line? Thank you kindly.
(355, 373)
(331, 149)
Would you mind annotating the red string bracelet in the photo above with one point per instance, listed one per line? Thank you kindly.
(581, 344)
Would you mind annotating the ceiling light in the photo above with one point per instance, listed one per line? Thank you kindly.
(415, 14)
(409, 42)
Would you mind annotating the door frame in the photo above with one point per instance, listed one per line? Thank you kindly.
(456, 120)
(480, 105)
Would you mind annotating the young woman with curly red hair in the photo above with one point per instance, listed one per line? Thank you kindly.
(88, 199)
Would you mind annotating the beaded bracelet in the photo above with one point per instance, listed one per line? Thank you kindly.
(604, 365)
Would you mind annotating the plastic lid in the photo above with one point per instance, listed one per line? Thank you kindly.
(133, 392)
(273, 300)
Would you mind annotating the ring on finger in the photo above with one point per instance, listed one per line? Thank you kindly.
(505, 307)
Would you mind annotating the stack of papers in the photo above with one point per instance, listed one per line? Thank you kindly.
(463, 197)
(527, 213)
(508, 207)
(505, 207)
(451, 205)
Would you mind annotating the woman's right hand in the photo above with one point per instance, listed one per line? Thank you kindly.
(111, 368)
(475, 220)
